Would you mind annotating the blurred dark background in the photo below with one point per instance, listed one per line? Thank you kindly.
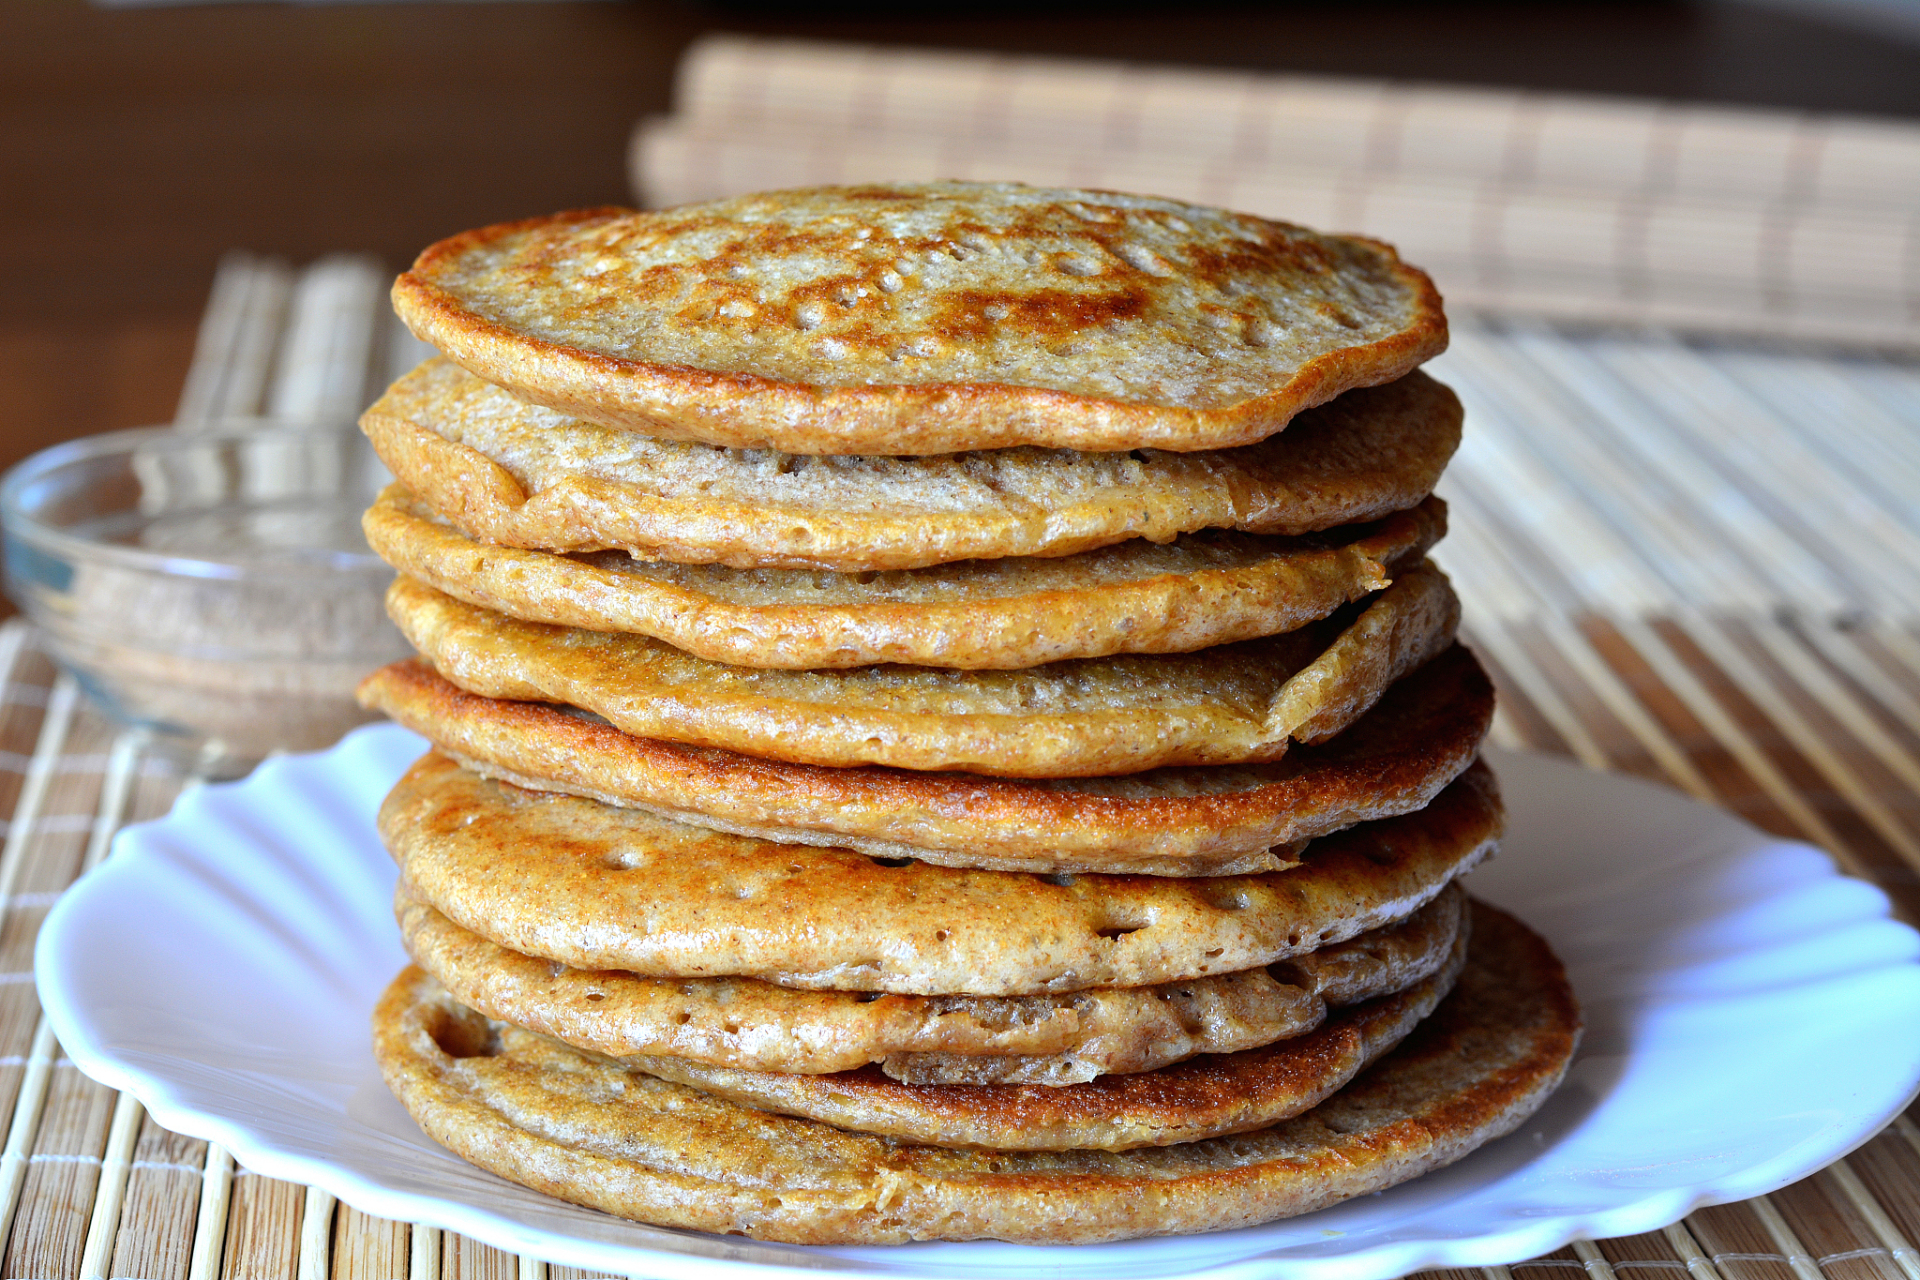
(138, 144)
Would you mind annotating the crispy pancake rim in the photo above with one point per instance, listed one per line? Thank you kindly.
(600, 366)
(1092, 717)
(594, 887)
(514, 475)
(1203, 1097)
(1136, 597)
(1223, 820)
(757, 1026)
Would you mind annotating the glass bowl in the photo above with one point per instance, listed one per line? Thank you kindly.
(211, 586)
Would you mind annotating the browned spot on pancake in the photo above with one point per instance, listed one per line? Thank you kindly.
(1051, 315)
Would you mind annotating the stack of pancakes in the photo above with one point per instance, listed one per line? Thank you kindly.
(920, 752)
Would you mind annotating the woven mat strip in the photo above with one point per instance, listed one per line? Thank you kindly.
(1641, 474)
(311, 345)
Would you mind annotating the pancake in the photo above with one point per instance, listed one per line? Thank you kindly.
(756, 1026)
(1091, 717)
(1223, 820)
(514, 474)
(1136, 597)
(928, 318)
(551, 1118)
(593, 887)
(1404, 627)
(1204, 1097)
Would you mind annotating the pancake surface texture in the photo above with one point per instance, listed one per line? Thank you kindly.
(578, 1128)
(594, 887)
(925, 318)
(1086, 718)
(1134, 597)
(756, 1026)
(1220, 820)
(515, 474)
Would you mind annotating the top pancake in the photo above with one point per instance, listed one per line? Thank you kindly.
(914, 319)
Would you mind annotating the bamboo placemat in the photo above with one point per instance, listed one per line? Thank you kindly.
(1695, 563)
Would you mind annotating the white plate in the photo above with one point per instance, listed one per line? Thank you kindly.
(1751, 1015)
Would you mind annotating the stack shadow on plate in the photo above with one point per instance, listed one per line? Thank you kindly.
(920, 751)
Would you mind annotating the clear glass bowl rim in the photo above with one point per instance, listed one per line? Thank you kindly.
(20, 523)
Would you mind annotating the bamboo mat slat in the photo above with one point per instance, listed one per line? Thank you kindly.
(1694, 562)
(312, 345)
(153, 1237)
